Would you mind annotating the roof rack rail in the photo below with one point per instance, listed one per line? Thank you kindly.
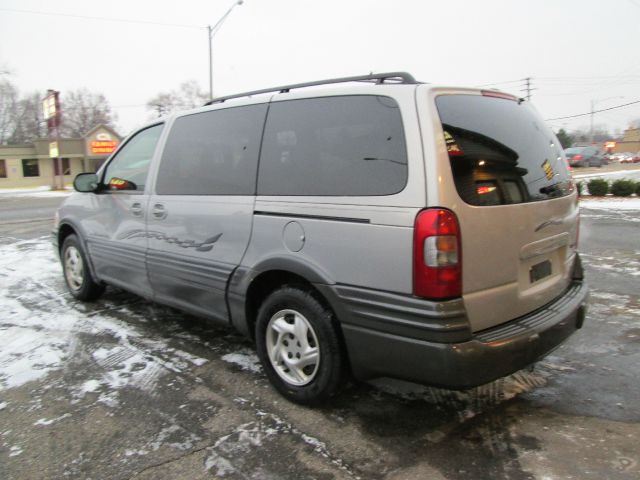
(397, 77)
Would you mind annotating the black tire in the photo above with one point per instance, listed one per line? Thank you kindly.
(76, 273)
(319, 380)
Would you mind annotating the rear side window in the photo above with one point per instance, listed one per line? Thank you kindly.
(501, 151)
(333, 146)
(212, 153)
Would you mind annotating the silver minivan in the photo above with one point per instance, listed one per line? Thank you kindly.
(367, 226)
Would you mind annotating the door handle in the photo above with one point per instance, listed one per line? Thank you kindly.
(159, 212)
(136, 209)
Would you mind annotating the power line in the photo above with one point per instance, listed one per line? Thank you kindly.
(104, 19)
(499, 83)
(595, 111)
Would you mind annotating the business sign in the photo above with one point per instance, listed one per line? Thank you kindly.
(103, 144)
(53, 150)
(51, 109)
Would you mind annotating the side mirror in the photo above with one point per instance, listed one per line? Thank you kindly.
(86, 182)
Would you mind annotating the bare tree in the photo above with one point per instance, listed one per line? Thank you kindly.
(82, 110)
(8, 105)
(28, 124)
(188, 95)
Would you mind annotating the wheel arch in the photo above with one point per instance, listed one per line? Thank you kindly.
(67, 228)
(268, 281)
(249, 287)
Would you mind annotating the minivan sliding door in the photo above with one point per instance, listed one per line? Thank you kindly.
(200, 216)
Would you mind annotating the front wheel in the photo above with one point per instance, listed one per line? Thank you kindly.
(76, 272)
(299, 346)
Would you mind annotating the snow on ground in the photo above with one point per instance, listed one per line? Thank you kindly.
(246, 360)
(605, 174)
(41, 323)
(34, 192)
(611, 203)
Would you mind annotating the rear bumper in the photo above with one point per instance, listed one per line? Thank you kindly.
(481, 358)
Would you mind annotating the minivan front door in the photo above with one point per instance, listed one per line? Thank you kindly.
(115, 223)
(200, 216)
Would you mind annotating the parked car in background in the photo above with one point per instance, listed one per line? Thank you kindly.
(584, 157)
(636, 158)
(626, 157)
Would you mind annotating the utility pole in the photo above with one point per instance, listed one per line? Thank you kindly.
(593, 103)
(593, 111)
(528, 88)
(211, 31)
(53, 117)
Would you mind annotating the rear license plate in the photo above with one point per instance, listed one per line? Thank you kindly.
(539, 271)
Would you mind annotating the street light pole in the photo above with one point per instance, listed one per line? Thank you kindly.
(593, 108)
(211, 31)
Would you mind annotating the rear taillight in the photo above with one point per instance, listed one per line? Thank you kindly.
(437, 255)
(577, 157)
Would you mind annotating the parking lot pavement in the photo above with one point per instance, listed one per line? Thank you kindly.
(123, 388)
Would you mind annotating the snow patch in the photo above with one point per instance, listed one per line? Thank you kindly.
(14, 451)
(246, 360)
(467, 403)
(221, 465)
(41, 325)
(611, 203)
(34, 192)
(44, 421)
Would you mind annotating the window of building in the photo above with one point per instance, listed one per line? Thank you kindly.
(348, 145)
(30, 167)
(66, 167)
(213, 153)
(128, 169)
(3, 168)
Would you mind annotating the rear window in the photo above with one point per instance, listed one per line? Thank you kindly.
(345, 146)
(501, 151)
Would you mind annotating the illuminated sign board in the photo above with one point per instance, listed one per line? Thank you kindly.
(107, 146)
(53, 150)
(103, 144)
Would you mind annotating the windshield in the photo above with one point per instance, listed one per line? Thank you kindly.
(501, 151)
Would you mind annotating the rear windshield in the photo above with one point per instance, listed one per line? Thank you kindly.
(501, 151)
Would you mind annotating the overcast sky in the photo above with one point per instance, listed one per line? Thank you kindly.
(575, 51)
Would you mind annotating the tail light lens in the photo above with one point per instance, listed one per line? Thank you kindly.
(437, 255)
(577, 157)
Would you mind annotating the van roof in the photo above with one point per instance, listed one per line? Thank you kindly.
(402, 78)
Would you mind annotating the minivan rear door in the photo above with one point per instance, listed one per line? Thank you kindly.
(200, 215)
(515, 201)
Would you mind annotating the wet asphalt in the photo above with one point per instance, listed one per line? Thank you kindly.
(146, 392)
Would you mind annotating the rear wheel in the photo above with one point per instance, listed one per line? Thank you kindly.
(76, 273)
(299, 346)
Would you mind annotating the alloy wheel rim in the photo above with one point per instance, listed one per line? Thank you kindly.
(292, 347)
(73, 268)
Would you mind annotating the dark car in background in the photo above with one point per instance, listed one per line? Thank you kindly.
(584, 157)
